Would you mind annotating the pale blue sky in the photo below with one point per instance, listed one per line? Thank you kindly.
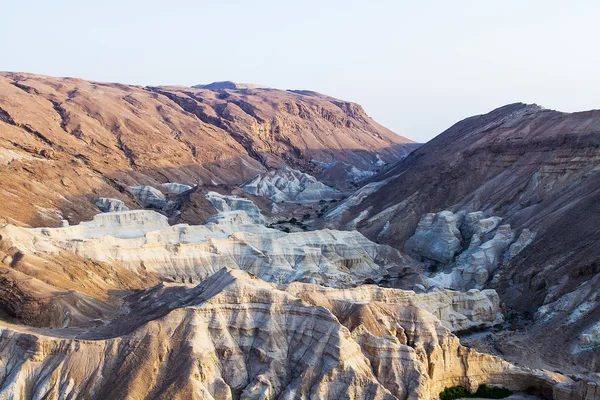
(416, 66)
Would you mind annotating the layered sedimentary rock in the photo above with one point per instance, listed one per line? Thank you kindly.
(457, 311)
(289, 185)
(437, 238)
(43, 285)
(224, 203)
(143, 239)
(235, 336)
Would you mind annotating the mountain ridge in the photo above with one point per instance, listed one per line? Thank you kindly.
(534, 169)
(65, 141)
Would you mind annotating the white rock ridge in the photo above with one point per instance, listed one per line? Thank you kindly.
(143, 239)
(289, 185)
(176, 188)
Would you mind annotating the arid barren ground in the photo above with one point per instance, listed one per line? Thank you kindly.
(231, 241)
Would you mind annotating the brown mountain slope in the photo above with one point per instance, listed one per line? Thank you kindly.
(64, 141)
(537, 169)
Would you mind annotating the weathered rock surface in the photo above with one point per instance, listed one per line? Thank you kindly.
(525, 238)
(467, 254)
(64, 142)
(110, 205)
(176, 188)
(536, 169)
(437, 238)
(43, 285)
(149, 197)
(143, 239)
(289, 185)
(235, 336)
(457, 311)
(224, 203)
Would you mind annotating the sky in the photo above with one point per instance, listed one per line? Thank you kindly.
(417, 67)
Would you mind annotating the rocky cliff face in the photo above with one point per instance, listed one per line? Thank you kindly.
(143, 240)
(66, 142)
(235, 336)
(465, 250)
(538, 170)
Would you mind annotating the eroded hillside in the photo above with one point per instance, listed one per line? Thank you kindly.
(65, 141)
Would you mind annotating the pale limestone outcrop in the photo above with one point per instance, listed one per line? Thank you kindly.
(457, 311)
(289, 185)
(475, 266)
(120, 224)
(469, 256)
(585, 389)
(235, 336)
(143, 239)
(353, 200)
(149, 196)
(524, 239)
(474, 223)
(176, 188)
(590, 338)
(436, 238)
(225, 203)
(106, 204)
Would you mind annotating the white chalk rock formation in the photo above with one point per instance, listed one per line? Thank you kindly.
(143, 239)
(225, 203)
(289, 185)
(475, 224)
(477, 264)
(487, 244)
(176, 188)
(437, 238)
(235, 336)
(120, 224)
(106, 204)
(149, 196)
(525, 238)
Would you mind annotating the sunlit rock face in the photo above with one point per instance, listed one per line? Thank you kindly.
(236, 336)
(143, 239)
(68, 139)
(232, 203)
(289, 185)
(457, 311)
